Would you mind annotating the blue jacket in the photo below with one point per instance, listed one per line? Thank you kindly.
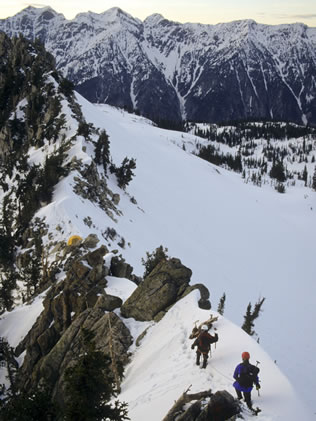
(246, 375)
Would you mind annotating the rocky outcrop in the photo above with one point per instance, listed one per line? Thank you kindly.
(120, 268)
(77, 302)
(207, 406)
(110, 332)
(221, 406)
(204, 301)
(24, 70)
(165, 285)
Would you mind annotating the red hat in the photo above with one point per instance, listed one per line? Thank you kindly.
(245, 356)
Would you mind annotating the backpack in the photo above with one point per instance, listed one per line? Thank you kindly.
(205, 340)
(248, 375)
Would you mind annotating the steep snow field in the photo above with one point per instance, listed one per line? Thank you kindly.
(163, 366)
(246, 241)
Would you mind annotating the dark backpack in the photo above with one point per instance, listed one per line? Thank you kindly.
(248, 375)
(205, 340)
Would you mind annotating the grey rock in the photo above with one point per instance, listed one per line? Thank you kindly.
(120, 268)
(91, 241)
(204, 301)
(108, 302)
(160, 289)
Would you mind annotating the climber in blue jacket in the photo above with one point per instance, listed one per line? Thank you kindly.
(246, 375)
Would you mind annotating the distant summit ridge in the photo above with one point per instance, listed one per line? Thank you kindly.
(172, 71)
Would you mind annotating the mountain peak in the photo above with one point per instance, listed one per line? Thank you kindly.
(39, 10)
(154, 19)
(45, 13)
(117, 12)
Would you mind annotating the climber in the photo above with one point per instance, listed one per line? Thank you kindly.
(203, 343)
(246, 375)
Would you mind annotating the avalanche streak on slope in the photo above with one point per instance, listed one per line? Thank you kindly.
(238, 239)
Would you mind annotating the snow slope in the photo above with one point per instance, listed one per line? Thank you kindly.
(238, 239)
(163, 366)
(246, 241)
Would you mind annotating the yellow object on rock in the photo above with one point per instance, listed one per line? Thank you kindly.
(73, 240)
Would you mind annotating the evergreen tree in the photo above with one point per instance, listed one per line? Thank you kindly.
(8, 360)
(32, 269)
(154, 258)
(8, 278)
(66, 87)
(89, 386)
(257, 309)
(102, 150)
(49, 176)
(277, 171)
(85, 129)
(248, 321)
(280, 188)
(314, 180)
(251, 316)
(305, 175)
(35, 406)
(6, 234)
(221, 304)
(124, 173)
(22, 406)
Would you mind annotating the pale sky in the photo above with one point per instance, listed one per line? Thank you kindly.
(204, 11)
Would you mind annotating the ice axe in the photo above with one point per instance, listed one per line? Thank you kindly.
(257, 363)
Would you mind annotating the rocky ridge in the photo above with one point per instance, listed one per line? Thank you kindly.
(79, 302)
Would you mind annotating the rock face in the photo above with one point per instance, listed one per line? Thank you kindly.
(23, 66)
(172, 71)
(221, 406)
(51, 368)
(165, 285)
(78, 302)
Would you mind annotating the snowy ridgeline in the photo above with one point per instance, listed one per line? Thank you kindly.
(163, 366)
(236, 237)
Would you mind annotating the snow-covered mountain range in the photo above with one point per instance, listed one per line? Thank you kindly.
(172, 71)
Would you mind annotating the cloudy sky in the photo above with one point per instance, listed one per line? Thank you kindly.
(203, 11)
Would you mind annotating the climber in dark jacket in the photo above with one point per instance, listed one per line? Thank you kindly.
(246, 375)
(203, 343)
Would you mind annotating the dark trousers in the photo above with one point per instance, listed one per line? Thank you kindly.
(198, 356)
(247, 397)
